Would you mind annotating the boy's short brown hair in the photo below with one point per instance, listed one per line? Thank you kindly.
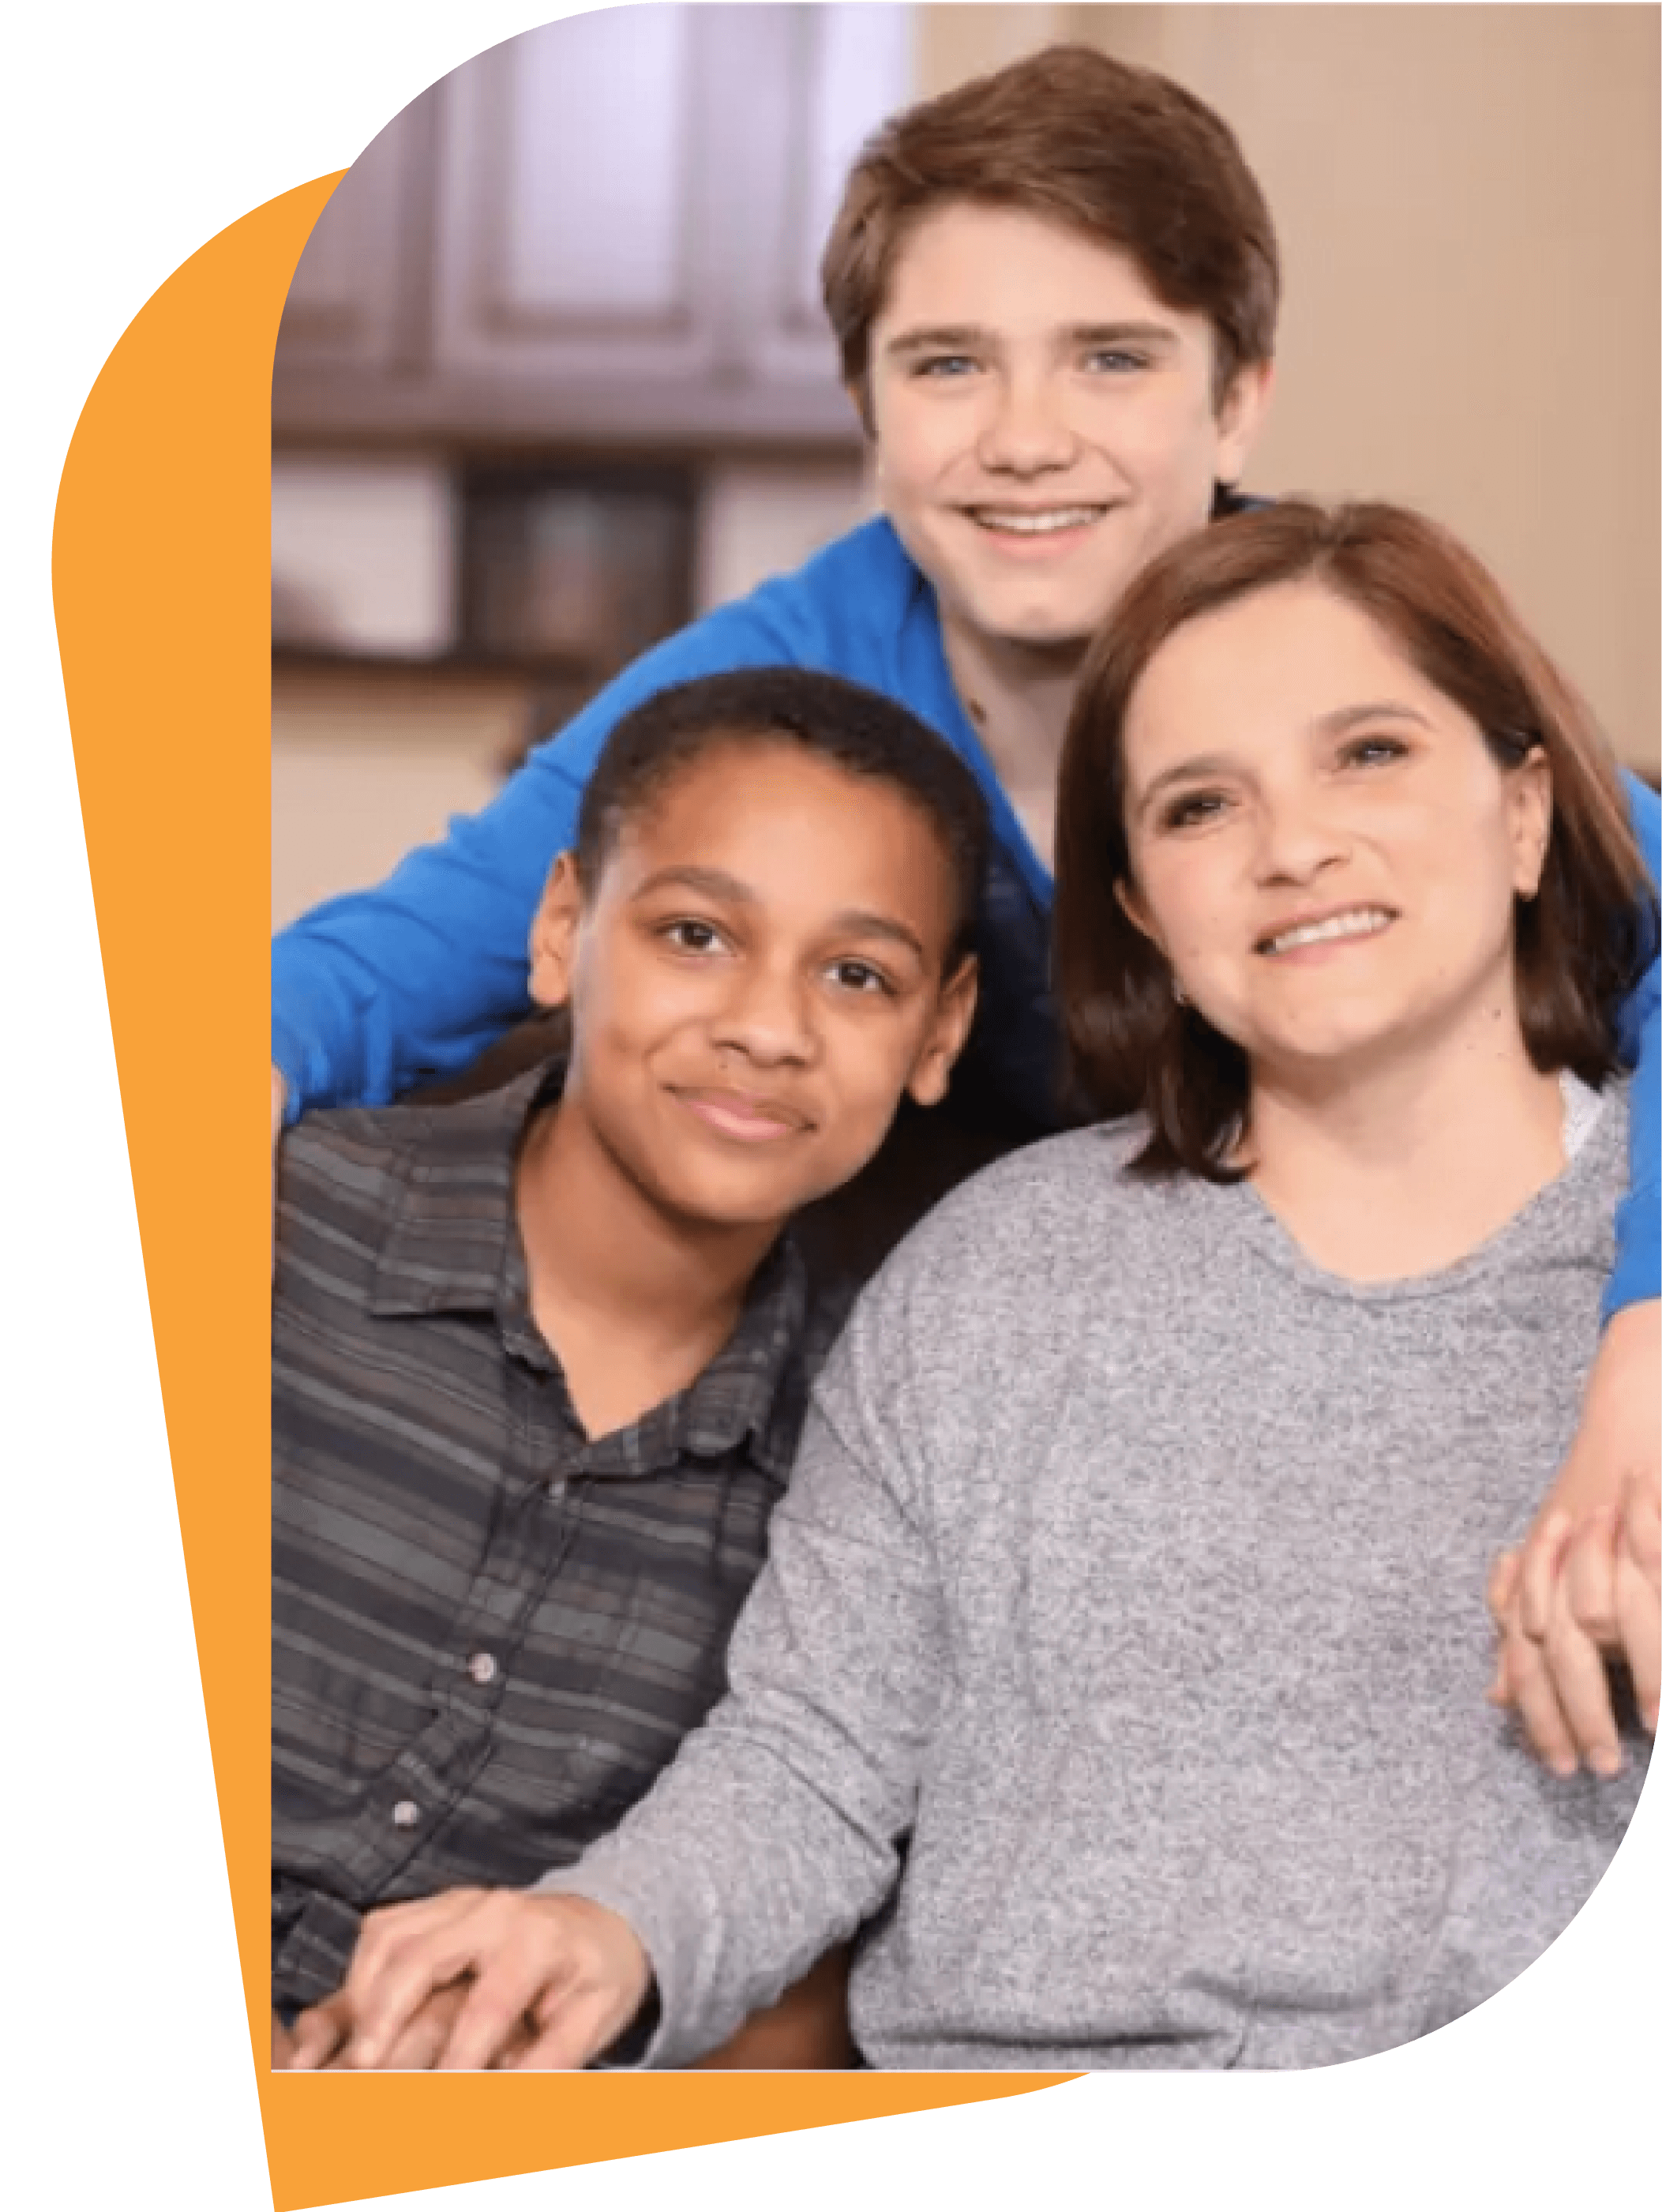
(1120, 155)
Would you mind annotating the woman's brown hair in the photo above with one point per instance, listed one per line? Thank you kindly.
(1582, 943)
(1121, 154)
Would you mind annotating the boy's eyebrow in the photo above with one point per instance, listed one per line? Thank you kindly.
(716, 883)
(931, 337)
(1106, 334)
(859, 922)
(948, 338)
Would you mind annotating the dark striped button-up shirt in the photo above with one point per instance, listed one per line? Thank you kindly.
(488, 1632)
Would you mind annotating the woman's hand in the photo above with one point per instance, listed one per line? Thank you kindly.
(549, 1981)
(1583, 1589)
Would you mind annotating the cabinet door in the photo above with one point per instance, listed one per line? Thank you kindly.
(841, 69)
(572, 219)
(358, 301)
(605, 230)
(633, 205)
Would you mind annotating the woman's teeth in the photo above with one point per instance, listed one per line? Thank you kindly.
(1364, 921)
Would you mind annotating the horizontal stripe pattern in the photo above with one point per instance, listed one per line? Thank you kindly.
(488, 1632)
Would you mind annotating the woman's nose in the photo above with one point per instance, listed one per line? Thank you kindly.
(1297, 838)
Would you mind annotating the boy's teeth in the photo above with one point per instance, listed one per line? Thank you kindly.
(1058, 517)
(1365, 921)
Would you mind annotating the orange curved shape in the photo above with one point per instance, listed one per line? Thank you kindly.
(161, 575)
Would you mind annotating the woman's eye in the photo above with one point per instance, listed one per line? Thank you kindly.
(1373, 753)
(860, 975)
(1193, 810)
(691, 936)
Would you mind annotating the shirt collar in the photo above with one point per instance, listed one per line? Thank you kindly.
(453, 1246)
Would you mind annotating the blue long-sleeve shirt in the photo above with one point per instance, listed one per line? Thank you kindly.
(374, 990)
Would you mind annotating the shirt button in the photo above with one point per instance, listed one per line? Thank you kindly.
(482, 1669)
(406, 1813)
(556, 1485)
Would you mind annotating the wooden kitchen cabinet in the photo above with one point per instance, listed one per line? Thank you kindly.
(606, 230)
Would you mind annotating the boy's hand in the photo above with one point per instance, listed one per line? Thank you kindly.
(1583, 1586)
(553, 1979)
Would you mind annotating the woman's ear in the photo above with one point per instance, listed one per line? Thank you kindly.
(949, 1030)
(1131, 903)
(554, 934)
(1531, 800)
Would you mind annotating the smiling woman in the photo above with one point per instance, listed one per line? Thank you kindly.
(1321, 782)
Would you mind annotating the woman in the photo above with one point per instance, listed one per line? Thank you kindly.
(1128, 1569)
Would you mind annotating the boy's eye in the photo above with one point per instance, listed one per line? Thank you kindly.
(687, 935)
(945, 365)
(1114, 360)
(860, 975)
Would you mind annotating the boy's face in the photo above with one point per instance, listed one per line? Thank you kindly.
(757, 979)
(1044, 425)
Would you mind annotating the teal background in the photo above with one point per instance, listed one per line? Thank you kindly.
(131, 136)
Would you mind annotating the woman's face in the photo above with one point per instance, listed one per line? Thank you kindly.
(1321, 843)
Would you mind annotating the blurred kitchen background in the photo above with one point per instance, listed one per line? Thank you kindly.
(553, 376)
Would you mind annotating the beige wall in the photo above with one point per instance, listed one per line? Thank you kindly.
(1468, 203)
(366, 768)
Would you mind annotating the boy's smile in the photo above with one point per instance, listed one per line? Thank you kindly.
(744, 1116)
(754, 980)
(1044, 426)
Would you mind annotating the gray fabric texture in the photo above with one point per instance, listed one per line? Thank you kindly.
(1123, 1643)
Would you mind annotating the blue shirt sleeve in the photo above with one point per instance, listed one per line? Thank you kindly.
(1638, 1271)
(375, 990)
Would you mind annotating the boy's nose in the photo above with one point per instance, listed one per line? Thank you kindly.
(768, 1017)
(1027, 427)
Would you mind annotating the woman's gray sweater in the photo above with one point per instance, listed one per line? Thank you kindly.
(1133, 1570)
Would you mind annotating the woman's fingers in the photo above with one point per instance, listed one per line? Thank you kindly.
(1638, 1595)
(1542, 1556)
(1533, 1694)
